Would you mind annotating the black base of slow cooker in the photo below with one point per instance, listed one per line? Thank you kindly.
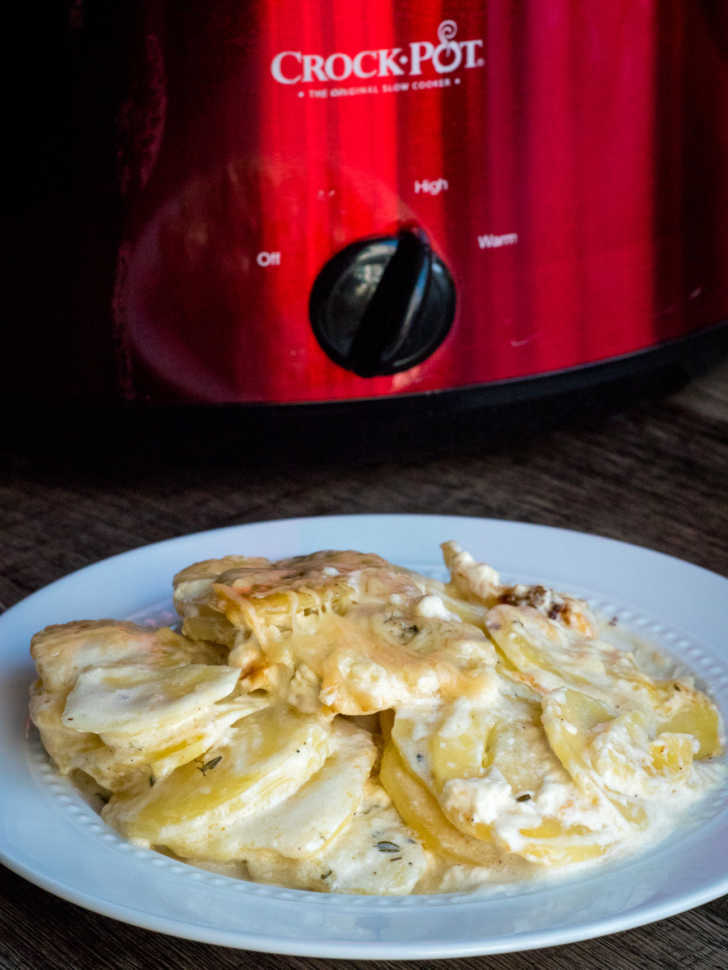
(484, 417)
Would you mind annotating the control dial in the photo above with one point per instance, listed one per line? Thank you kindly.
(382, 305)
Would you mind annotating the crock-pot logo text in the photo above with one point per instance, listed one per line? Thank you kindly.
(449, 54)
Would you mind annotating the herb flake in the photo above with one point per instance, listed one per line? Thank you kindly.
(209, 765)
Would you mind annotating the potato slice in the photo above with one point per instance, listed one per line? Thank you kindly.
(444, 745)
(266, 757)
(445, 741)
(523, 799)
(118, 761)
(187, 740)
(547, 819)
(374, 854)
(495, 779)
(386, 723)
(62, 652)
(672, 754)
(618, 752)
(136, 698)
(193, 584)
(684, 710)
(69, 749)
(146, 690)
(419, 809)
(554, 844)
(212, 626)
(632, 757)
(571, 720)
(546, 655)
(411, 732)
(458, 749)
(304, 823)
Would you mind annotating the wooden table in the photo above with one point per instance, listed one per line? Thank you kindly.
(654, 474)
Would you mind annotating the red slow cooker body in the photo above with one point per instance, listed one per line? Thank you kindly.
(568, 163)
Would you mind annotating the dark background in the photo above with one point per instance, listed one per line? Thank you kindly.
(646, 462)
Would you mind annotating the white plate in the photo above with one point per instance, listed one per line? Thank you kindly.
(50, 836)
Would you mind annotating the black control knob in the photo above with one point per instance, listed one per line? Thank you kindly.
(382, 305)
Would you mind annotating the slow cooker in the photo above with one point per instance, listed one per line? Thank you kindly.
(322, 203)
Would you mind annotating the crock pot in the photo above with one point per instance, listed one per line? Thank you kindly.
(329, 202)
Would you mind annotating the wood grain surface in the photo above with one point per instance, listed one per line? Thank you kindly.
(653, 473)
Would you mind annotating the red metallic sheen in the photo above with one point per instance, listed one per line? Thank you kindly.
(568, 162)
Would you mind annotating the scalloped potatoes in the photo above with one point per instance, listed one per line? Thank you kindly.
(338, 723)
